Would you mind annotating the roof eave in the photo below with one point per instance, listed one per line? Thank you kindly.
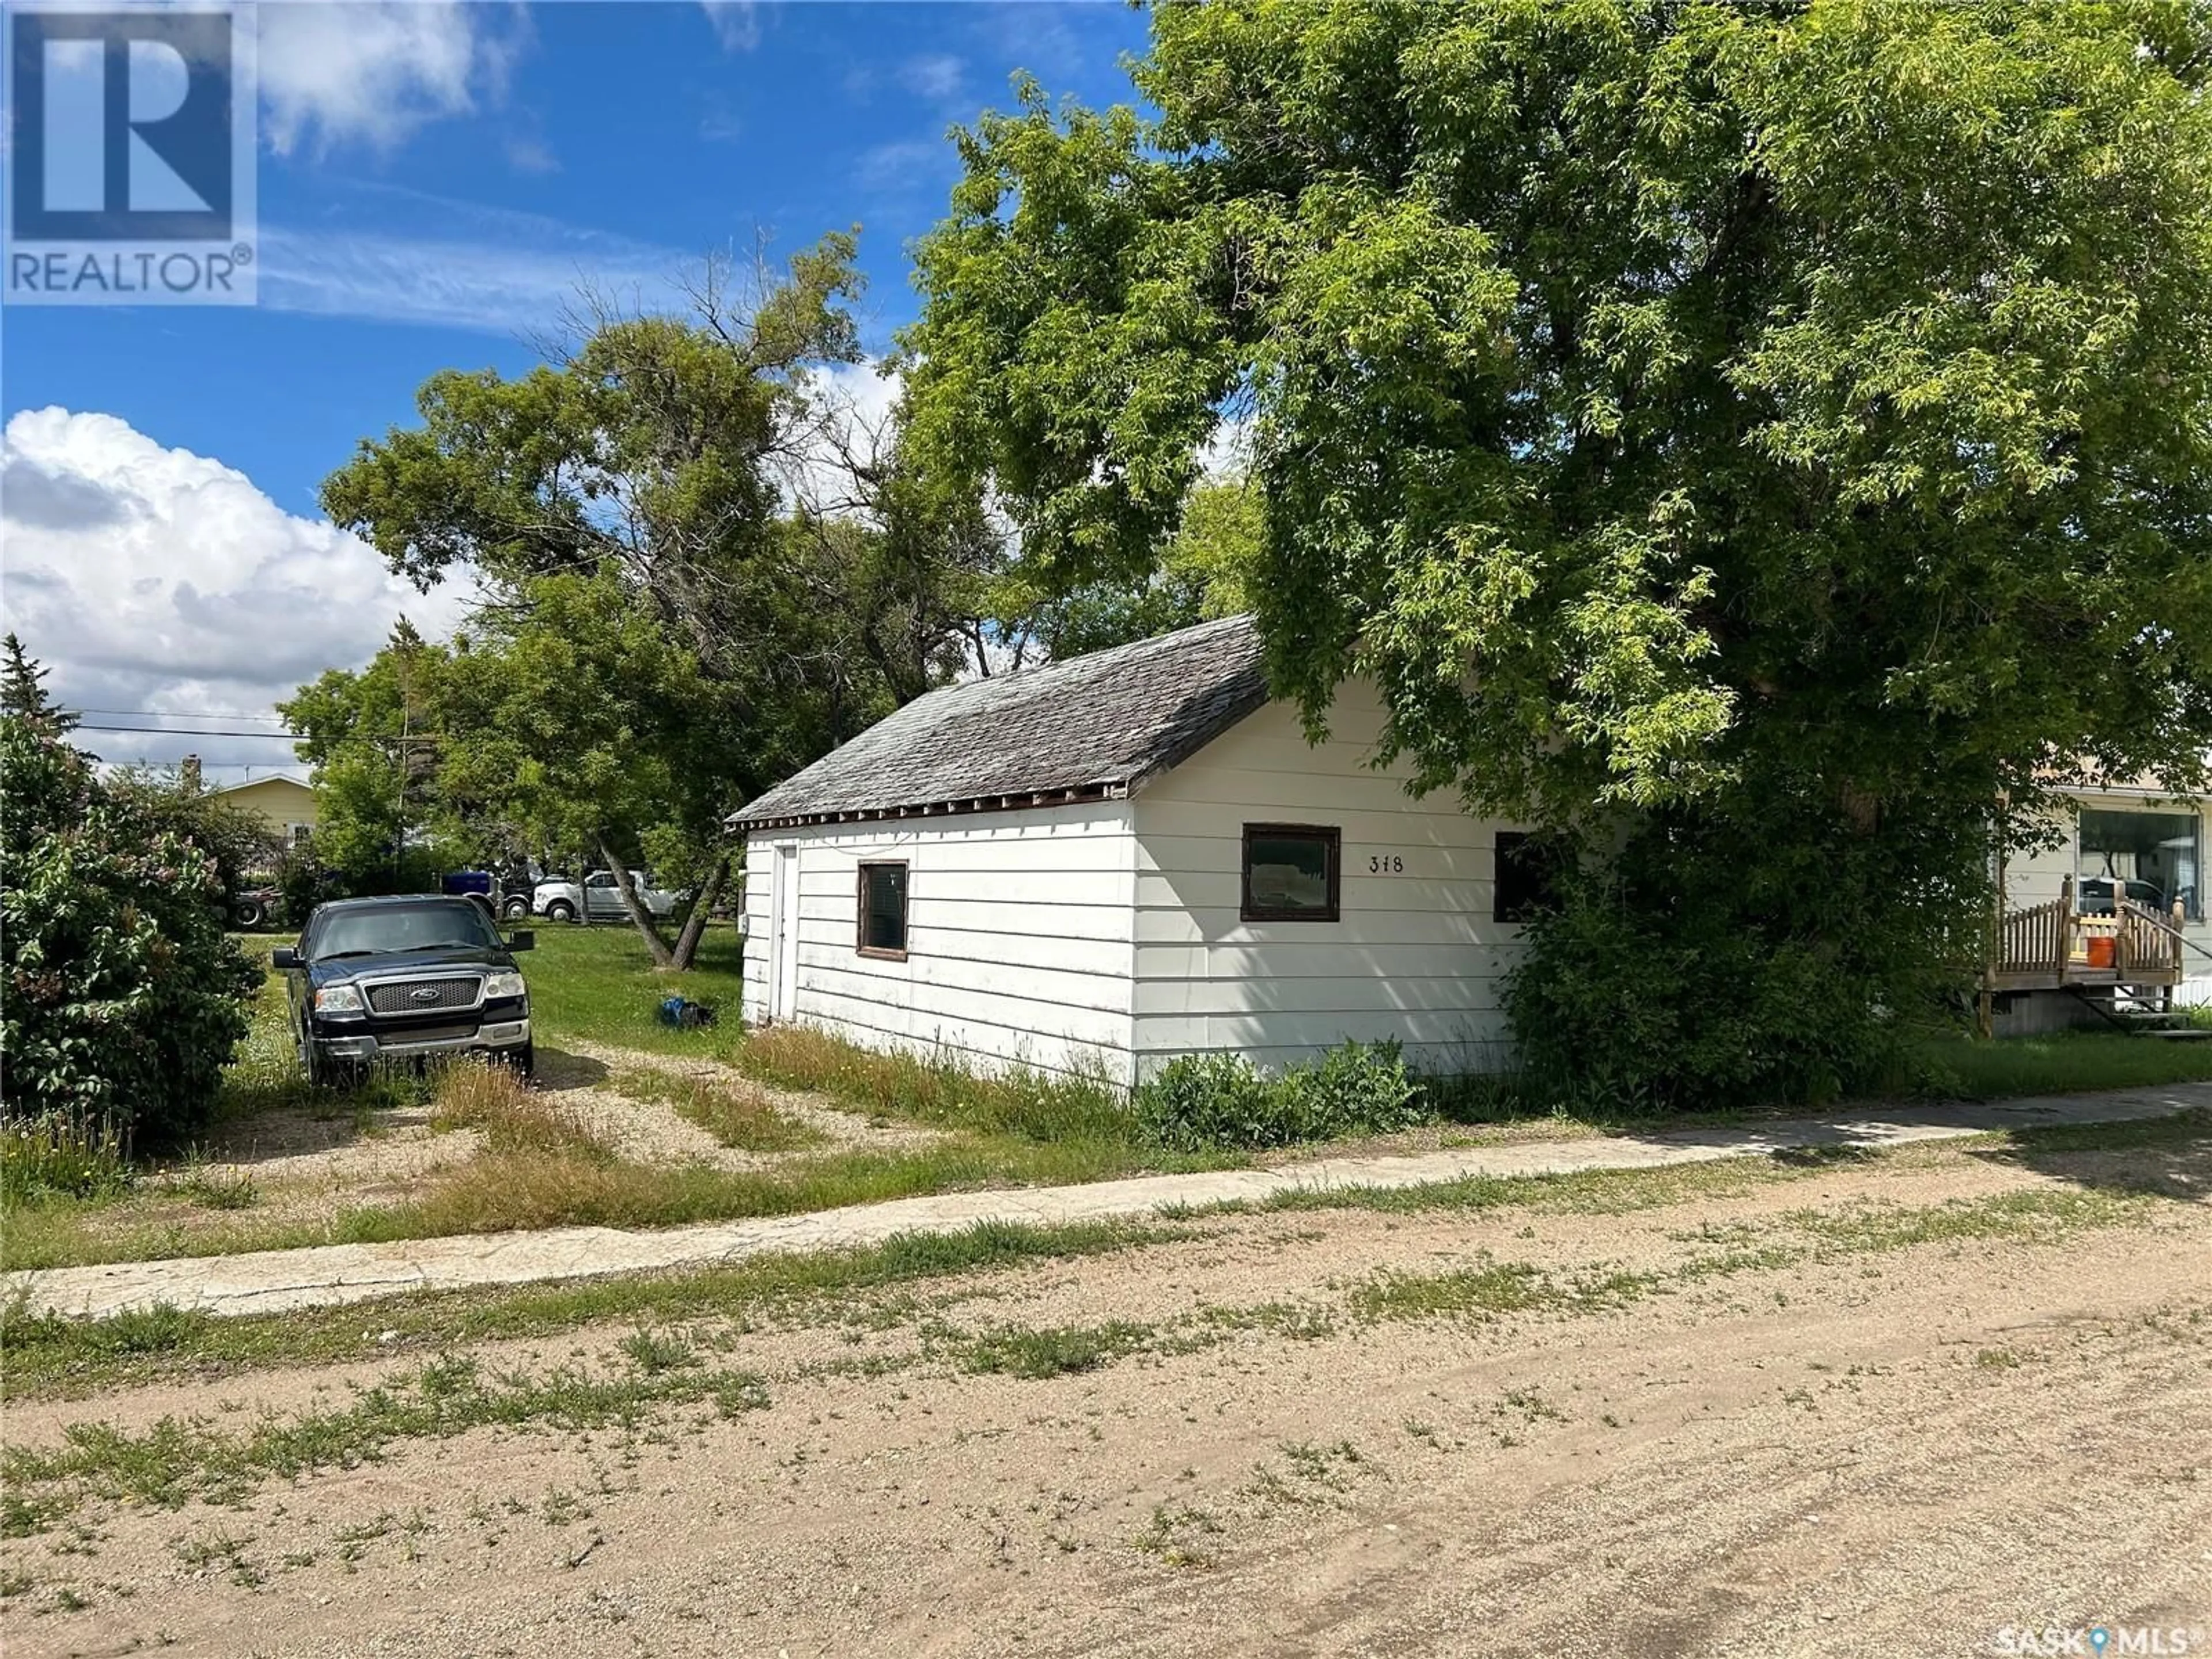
(1021, 800)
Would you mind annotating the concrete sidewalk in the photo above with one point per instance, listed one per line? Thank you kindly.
(274, 1281)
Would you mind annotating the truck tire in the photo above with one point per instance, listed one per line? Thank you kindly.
(248, 913)
(515, 909)
(560, 910)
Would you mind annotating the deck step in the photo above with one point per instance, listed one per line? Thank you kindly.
(2177, 1033)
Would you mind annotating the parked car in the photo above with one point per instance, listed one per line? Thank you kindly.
(597, 897)
(405, 978)
(256, 907)
(2095, 896)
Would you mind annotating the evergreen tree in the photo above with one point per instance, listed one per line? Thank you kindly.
(23, 691)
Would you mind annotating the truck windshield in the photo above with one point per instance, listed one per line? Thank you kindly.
(427, 926)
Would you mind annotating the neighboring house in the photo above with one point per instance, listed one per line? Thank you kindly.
(283, 803)
(1110, 861)
(2099, 909)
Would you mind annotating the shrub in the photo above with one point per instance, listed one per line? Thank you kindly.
(1201, 1101)
(120, 998)
(1212, 1100)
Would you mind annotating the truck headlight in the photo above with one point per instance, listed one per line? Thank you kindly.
(504, 984)
(338, 999)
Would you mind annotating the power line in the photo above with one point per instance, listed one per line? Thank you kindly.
(190, 732)
(185, 713)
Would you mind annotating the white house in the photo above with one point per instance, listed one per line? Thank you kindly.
(2126, 857)
(1109, 861)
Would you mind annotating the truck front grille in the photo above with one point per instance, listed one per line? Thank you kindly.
(405, 996)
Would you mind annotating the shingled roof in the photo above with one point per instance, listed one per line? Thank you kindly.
(1089, 728)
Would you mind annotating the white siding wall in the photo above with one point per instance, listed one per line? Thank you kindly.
(1415, 955)
(2038, 878)
(1018, 935)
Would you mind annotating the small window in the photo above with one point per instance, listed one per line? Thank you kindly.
(883, 910)
(1524, 885)
(599, 878)
(1290, 873)
(301, 834)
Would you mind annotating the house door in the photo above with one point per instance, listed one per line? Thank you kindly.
(783, 934)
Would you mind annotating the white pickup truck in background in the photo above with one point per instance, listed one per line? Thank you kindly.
(595, 897)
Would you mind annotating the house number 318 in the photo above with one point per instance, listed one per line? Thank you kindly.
(1386, 864)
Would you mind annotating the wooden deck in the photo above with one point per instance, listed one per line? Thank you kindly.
(2047, 947)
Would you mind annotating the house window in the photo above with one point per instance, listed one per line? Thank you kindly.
(302, 833)
(1290, 871)
(883, 910)
(1523, 886)
(2152, 857)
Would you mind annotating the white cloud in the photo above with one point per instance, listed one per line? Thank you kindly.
(851, 405)
(901, 164)
(422, 258)
(374, 72)
(935, 74)
(1227, 455)
(151, 578)
(736, 23)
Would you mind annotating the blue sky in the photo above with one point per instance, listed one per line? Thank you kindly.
(435, 180)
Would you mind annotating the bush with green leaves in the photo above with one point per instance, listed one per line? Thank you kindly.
(1202, 1101)
(120, 998)
(1695, 971)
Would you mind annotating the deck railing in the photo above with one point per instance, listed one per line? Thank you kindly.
(2147, 942)
(2038, 940)
(2050, 942)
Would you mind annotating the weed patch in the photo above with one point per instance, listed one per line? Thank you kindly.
(747, 1121)
(178, 1460)
(1057, 1351)
(48, 1355)
(932, 1087)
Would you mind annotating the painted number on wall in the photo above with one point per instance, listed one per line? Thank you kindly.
(1386, 864)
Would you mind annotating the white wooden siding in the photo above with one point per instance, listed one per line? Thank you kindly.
(1019, 936)
(1414, 954)
(2038, 876)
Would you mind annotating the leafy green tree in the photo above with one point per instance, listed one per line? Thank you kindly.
(1200, 574)
(121, 998)
(698, 574)
(578, 715)
(1749, 442)
(373, 740)
(23, 689)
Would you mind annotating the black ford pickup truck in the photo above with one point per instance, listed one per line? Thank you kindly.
(402, 979)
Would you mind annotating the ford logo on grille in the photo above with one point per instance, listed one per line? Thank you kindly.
(427, 994)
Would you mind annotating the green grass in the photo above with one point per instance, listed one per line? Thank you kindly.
(596, 983)
(181, 1459)
(1056, 1351)
(51, 1356)
(526, 1189)
(2068, 1062)
(740, 1117)
(932, 1087)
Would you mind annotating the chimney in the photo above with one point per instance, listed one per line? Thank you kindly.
(190, 769)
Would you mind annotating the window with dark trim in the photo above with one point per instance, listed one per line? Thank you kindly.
(883, 911)
(1291, 871)
(1523, 886)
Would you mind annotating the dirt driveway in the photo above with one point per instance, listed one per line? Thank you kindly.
(1900, 1405)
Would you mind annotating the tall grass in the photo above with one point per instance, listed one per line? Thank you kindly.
(932, 1087)
(741, 1117)
(64, 1155)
